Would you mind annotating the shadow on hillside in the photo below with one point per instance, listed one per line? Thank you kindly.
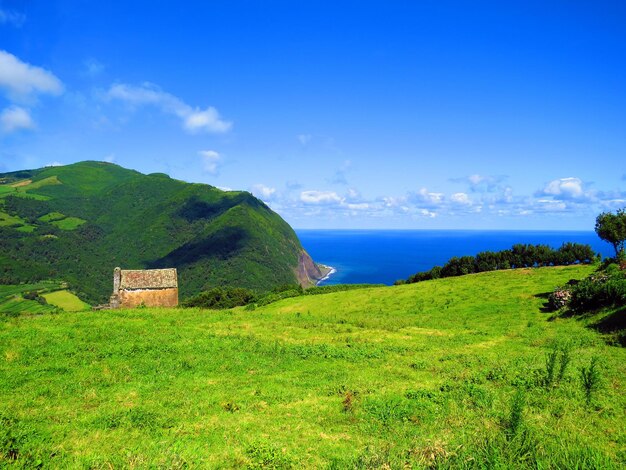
(613, 324)
(544, 295)
(194, 209)
(221, 245)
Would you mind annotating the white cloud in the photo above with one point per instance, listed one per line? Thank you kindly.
(426, 199)
(193, 119)
(482, 183)
(461, 199)
(110, 158)
(211, 160)
(506, 196)
(22, 80)
(263, 192)
(361, 206)
(549, 205)
(565, 188)
(207, 120)
(353, 195)
(565, 200)
(12, 17)
(304, 139)
(393, 201)
(92, 67)
(573, 196)
(15, 118)
(340, 176)
(320, 197)
(475, 179)
(427, 213)
(293, 185)
(55, 163)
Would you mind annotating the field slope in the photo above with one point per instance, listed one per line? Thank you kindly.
(447, 373)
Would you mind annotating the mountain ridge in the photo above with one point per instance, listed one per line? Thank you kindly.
(77, 222)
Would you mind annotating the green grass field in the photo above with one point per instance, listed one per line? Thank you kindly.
(22, 188)
(65, 300)
(450, 373)
(7, 220)
(51, 180)
(6, 189)
(52, 216)
(12, 301)
(62, 221)
(69, 223)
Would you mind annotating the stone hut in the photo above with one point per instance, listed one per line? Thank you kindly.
(149, 287)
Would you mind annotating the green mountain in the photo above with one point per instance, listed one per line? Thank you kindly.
(78, 222)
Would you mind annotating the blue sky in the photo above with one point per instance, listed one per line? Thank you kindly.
(431, 114)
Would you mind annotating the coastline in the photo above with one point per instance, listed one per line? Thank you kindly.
(327, 271)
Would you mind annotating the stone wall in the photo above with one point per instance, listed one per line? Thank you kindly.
(167, 297)
(149, 287)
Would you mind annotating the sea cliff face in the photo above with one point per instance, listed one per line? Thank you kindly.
(308, 273)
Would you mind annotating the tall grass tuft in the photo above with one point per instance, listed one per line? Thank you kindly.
(551, 360)
(566, 358)
(557, 362)
(516, 414)
(590, 378)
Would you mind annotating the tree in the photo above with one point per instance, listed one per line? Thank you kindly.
(612, 228)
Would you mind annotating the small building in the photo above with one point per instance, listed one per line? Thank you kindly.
(149, 287)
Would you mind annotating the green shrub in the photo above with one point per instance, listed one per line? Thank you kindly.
(599, 291)
(559, 298)
(31, 295)
(220, 298)
(519, 256)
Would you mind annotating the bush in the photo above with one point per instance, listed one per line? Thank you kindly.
(598, 291)
(220, 298)
(519, 256)
(32, 295)
(272, 297)
(286, 288)
(559, 299)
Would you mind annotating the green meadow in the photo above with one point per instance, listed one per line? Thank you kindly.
(464, 372)
(66, 300)
(13, 301)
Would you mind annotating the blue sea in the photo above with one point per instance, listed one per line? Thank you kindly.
(384, 256)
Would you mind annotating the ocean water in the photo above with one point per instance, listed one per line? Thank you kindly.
(384, 256)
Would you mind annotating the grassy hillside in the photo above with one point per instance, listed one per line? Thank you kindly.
(78, 222)
(452, 373)
(37, 298)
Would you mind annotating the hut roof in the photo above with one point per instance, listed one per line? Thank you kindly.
(148, 278)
